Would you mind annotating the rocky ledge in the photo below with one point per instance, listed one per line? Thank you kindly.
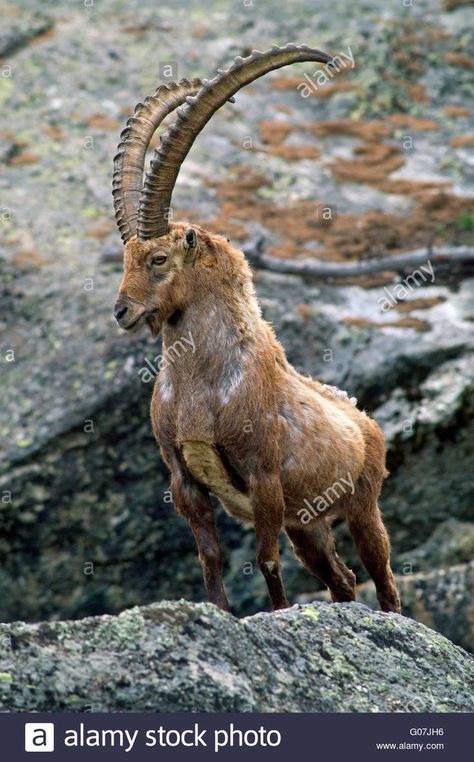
(181, 656)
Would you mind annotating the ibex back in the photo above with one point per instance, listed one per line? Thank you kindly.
(231, 415)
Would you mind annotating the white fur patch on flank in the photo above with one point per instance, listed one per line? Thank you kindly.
(166, 388)
(229, 384)
(289, 462)
(339, 394)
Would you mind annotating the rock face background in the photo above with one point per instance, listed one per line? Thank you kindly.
(181, 656)
(87, 526)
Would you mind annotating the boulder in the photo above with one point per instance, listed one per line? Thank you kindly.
(452, 542)
(440, 599)
(182, 657)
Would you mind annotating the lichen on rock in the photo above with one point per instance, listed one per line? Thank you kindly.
(180, 656)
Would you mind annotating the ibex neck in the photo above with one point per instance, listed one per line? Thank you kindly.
(213, 331)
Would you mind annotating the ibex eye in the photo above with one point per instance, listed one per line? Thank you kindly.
(159, 260)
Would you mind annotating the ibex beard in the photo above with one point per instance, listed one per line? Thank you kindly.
(234, 418)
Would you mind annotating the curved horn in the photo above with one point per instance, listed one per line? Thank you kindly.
(177, 140)
(129, 160)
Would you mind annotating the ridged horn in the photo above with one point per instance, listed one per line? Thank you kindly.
(129, 160)
(175, 143)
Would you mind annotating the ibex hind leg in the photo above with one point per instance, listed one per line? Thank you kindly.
(315, 548)
(373, 545)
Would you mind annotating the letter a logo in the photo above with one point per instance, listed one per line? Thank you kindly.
(39, 736)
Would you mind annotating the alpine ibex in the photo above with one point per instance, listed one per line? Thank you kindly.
(233, 417)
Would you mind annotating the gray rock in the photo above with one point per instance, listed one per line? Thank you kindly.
(441, 599)
(172, 657)
(21, 29)
(452, 542)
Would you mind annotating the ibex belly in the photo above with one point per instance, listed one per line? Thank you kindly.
(206, 466)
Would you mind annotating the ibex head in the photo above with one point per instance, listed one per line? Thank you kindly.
(159, 254)
(155, 283)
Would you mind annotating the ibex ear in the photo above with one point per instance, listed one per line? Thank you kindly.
(190, 244)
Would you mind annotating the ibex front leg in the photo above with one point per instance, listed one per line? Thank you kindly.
(266, 496)
(192, 501)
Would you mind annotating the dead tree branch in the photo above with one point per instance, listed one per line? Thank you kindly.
(316, 268)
